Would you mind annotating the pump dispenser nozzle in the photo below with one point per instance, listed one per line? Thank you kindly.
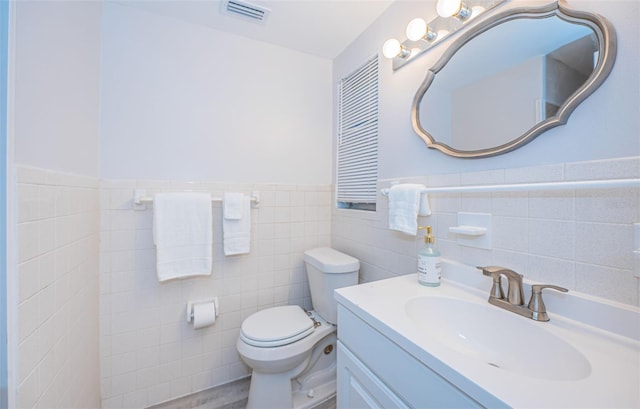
(428, 236)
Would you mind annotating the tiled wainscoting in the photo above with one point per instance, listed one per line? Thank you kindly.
(149, 354)
(57, 290)
(577, 238)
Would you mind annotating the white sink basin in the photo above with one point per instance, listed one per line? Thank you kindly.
(501, 339)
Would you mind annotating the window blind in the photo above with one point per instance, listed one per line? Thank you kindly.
(357, 151)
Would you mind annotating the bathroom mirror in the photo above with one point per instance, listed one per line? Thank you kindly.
(510, 78)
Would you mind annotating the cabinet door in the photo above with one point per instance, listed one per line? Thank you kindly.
(401, 374)
(359, 388)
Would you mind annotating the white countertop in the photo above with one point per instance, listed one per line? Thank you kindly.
(613, 354)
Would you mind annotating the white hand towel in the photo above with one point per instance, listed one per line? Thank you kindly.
(404, 205)
(232, 206)
(182, 233)
(237, 233)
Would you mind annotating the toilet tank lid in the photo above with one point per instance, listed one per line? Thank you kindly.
(329, 260)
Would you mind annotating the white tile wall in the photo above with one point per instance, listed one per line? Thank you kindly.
(579, 239)
(149, 354)
(58, 340)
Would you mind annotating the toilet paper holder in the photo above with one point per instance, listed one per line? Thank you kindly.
(191, 304)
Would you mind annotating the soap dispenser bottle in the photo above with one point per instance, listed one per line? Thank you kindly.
(429, 265)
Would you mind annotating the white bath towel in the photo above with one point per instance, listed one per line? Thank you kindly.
(404, 206)
(182, 233)
(237, 232)
(232, 206)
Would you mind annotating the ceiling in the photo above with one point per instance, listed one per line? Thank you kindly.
(320, 27)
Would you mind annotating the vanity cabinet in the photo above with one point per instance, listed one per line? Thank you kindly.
(374, 372)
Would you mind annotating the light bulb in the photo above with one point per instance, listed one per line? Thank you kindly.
(448, 8)
(416, 29)
(392, 48)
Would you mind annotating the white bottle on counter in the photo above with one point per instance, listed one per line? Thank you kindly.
(429, 264)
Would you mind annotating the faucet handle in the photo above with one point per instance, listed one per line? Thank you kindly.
(491, 270)
(537, 288)
(514, 289)
(536, 304)
(494, 272)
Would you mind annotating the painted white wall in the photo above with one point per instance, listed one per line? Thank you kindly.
(57, 76)
(4, 53)
(604, 126)
(186, 102)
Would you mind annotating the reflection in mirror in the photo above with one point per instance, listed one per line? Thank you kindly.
(501, 87)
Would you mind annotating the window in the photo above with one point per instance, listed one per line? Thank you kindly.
(357, 151)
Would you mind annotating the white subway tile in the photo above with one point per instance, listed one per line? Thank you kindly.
(181, 386)
(552, 271)
(46, 303)
(28, 241)
(282, 199)
(607, 205)
(487, 177)
(29, 353)
(476, 202)
(201, 381)
(558, 205)
(29, 390)
(28, 316)
(124, 383)
(123, 363)
(619, 168)
(449, 179)
(170, 352)
(159, 393)
(29, 279)
(121, 199)
(510, 204)
(535, 174)
(605, 244)
(311, 198)
(510, 233)
(28, 203)
(611, 283)
(135, 399)
(552, 238)
(513, 260)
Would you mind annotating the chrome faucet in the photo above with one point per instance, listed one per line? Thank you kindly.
(514, 301)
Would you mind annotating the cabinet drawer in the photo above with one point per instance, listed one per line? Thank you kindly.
(359, 388)
(405, 376)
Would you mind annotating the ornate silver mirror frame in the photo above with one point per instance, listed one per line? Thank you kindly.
(606, 56)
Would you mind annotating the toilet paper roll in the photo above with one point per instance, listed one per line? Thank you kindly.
(204, 314)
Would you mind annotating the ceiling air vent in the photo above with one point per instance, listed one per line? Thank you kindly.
(244, 10)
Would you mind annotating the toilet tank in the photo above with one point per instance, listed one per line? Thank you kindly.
(327, 270)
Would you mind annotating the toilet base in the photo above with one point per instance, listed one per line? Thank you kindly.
(321, 393)
(318, 383)
(269, 391)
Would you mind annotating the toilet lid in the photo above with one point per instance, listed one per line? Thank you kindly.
(276, 326)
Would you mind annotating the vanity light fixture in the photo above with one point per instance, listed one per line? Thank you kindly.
(393, 49)
(453, 8)
(418, 29)
(422, 35)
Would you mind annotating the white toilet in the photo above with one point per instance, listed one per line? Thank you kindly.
(292, 352)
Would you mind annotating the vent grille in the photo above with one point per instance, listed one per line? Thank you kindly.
(246, 11)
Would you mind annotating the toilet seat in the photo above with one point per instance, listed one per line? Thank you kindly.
(276, 326)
